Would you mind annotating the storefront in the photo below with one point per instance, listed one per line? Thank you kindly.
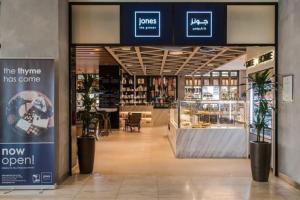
(172, 63)
(71, 39)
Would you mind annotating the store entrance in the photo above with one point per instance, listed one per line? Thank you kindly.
(158, 106)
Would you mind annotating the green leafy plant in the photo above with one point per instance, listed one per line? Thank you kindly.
(85, 115)
(261, 85)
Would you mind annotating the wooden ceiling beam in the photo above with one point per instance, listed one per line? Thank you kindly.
(138, 53)
(213, 58)
(163, 62)
(196, 49)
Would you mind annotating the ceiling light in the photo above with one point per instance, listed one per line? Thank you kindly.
(126, 48)
(129, 65)
(167, 71)
(97, 49)
(176, 53)
(92, 53)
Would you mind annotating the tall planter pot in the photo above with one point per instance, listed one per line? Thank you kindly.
(86, 154)
(260, 155)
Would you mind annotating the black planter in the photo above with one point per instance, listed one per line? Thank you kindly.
(86, 153)
(260, 155)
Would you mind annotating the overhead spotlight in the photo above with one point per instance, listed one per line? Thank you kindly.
(97, 49)
(175, 53)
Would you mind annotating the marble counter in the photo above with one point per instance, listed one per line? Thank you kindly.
(208, 142)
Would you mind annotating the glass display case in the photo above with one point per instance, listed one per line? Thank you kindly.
(217, 85)
(211, 114)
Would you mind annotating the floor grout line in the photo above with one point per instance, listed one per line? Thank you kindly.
(82, 186)
(119, 189)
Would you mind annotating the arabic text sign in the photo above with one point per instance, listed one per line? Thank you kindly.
(147, 24)
(198, 24)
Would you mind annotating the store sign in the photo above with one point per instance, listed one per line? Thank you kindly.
(27, 136)
(147, 24)
(199, 24)
(269, 56)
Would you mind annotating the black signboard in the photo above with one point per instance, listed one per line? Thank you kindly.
(200, 23)
(146, 23)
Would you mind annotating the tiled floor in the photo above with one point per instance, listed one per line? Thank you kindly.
(131, 166)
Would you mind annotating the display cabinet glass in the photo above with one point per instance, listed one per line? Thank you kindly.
(211, 114)
(217, 85)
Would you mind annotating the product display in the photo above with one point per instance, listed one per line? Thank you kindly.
(30, 113)
(163, 91)
(217, 85)
(205, 114)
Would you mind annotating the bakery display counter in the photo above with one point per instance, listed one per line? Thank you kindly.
(208, 129)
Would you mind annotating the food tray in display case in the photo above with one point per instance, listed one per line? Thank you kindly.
(210, 114)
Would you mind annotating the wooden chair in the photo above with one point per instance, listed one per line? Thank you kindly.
(134, 121)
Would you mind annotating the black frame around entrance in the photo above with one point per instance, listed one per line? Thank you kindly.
(71, 45)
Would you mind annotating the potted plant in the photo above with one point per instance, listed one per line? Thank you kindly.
(260, 150)
(86, 142)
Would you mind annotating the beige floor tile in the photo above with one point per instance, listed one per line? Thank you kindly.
(142, 166)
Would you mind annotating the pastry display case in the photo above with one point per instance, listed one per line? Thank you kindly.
(217, 85)
(211, 114)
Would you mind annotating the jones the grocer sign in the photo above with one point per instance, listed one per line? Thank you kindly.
(147, 24)
(199, 24)
(173, 23)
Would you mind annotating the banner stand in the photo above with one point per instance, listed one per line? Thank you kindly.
(27, 131)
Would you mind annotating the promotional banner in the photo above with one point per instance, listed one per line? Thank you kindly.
(27, 136)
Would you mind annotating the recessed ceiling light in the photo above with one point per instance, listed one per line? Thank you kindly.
(175, 52)
(126, 48)
(97, 49)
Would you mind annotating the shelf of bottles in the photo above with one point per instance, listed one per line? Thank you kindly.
(127, 90)
(141, 90)
(79, 91)
(217, 85)
(162, 90)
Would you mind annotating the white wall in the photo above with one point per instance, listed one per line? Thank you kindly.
(289, 113)
(250, 24)
(96, 24)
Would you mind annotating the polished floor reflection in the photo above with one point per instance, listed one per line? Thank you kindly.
(141, 166)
